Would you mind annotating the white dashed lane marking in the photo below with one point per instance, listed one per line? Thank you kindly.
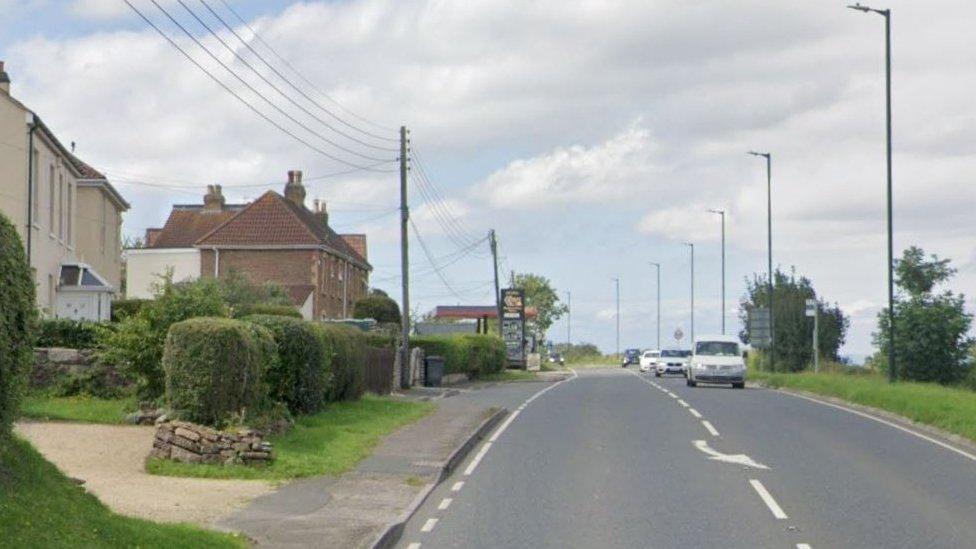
(768, 499)
(694, 412)
(457, 486)
(710, 428)
(414, 545)
(445, 503)
(429, 525)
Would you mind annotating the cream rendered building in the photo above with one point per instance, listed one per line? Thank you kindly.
(75, 259)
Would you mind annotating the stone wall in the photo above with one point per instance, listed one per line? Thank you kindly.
(191, 443)
(55, 365)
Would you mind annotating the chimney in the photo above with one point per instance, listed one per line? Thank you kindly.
(294, 190)
(213, 201)
(4, 80)
(320, 212)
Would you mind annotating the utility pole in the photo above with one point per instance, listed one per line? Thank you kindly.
(691, 246)
(404, 265)
(569, 319)
(513, 278)
(494, 263)
(722, 213)
(769, 251)
(658, 265)
(617, 283)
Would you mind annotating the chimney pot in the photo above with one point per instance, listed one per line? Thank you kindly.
(4, 80)
(213, 201)
(294, 190)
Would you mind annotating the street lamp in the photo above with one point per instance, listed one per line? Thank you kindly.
(569, 319)
(892, 371)
(658, 265)
(722, 213)
(616, 281)
(769, 246)
(692, 247)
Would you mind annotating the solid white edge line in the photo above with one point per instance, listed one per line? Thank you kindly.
(503, 426)
(477, 458)
(444, 504)
(429, 525)
(937, 442)
(768, 499)
(695, 413)
(457, 486)
(710, 428)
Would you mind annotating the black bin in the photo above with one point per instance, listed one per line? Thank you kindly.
(433, 371)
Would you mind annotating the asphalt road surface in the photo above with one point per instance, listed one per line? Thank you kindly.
(612, 459)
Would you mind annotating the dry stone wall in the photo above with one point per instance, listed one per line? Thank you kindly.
(191, 443)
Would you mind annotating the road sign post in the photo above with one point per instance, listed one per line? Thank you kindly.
(513, 326)
(812, 311)
(760, 328)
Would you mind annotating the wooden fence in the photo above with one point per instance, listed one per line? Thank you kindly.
(379, 370)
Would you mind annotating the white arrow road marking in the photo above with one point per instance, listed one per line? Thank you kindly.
(739, 459)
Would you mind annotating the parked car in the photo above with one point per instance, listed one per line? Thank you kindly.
(716, 359)
(671, 361)
(648, 359)
(556, 358)
(631, 356)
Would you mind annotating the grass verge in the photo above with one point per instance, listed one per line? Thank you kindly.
(330, 442)
(40, 507)
(510, 375)
(948, 408)
(78, 408)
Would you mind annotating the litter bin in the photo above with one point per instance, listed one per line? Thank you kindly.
(433, 371)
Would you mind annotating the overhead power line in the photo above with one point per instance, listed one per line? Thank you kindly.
(430, 259)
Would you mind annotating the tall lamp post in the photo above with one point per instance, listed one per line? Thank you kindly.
(691, 246)
(616, 282)
(769, 248)
(658, 266)
(892, 370)
(722, 213)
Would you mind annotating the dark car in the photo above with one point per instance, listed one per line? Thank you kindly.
(631, 356)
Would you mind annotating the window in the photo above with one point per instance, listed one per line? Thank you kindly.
(50, 293)
(35, 190)
(69, 275)
(61, 206)
(52, 196)
(70, 204)
(717, 348)
(101, 225)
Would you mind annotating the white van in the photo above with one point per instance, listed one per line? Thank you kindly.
(716, 359)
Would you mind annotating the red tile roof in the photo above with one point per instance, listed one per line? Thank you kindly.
(187, 224)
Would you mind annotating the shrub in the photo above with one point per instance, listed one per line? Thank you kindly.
(465, 353)
(486, 353)
(63, 332)
(17, 321)
(379, 307)
(380, 339)
(266, 309)
(124, 308)
(300, 377)
(345, 348)
(214, 368)
(135, 344)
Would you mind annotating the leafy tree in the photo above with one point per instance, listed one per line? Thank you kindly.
(793, 330)
(931, 329)
(540, 294)
(577, 351)
(378, 306)
(18, 314)
(236, 290)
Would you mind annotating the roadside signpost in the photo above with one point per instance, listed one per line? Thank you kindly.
(513, 325)
(678, 334)
(760, 332)
(811, 310)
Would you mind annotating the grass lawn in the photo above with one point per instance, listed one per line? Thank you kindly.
(330, 442)
(948, 408)
(80, 408)
(40, 507)
(510, 375)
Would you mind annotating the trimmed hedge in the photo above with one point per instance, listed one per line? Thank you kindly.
(123, 308)
(63, 332)
(17, 322)
(465, 353)
(265, 309)
(300, 377)
(345, 347)
(214, 368)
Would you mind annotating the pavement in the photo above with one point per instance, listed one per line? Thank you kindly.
(613, 459)
(358, 508)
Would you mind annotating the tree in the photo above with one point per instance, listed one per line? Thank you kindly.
(793, 330)
(540, 294)
(931, 330)
(17, 324)
(378, 306)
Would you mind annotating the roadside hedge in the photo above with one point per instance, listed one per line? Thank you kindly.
(243, 311)
(214, 368)
(63, 332)
(345, 347)
(465, 353)
(17, 322)
(123, 308)
(300, 378)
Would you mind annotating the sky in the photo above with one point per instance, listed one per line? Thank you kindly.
(593, 136)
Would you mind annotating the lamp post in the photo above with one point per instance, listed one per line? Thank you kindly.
(892, 370)
(722, 213)
(691, 246)
(769, 248)
(658, 266)
(569, 319)
(616, 281)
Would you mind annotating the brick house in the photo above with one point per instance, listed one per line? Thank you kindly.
(276, 238)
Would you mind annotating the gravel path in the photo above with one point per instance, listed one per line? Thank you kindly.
(110, 459)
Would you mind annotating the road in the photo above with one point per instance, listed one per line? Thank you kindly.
(613, 459)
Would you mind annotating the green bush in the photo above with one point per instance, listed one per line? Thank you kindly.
(135, 344)
(17, 322)
(465, 353)
(214, 368)
(379, 339)
(300, 377)
(63, 332)
(124, 308)
(242, 311)
(345, 348)
(379, 307)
